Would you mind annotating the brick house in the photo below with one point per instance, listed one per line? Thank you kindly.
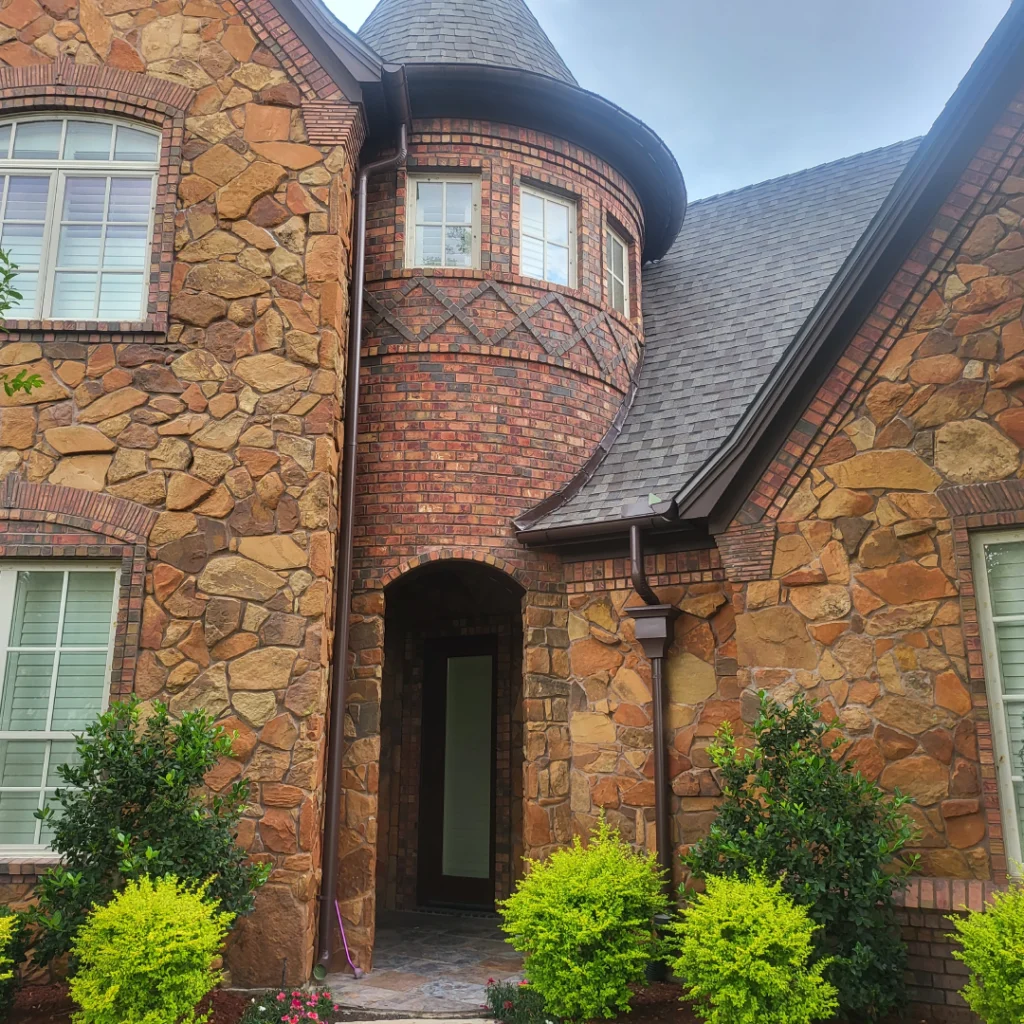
(801, 403)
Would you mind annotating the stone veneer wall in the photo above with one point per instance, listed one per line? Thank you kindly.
(216, 416)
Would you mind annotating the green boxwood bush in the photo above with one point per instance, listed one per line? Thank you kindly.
(134, 804)
(583, 920)
(744, 956)
(992, 947)
(147, 956)
(794, 811)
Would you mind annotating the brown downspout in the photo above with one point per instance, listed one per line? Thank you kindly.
(395, 82)
(653, 630)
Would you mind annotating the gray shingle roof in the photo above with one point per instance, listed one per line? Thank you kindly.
(719, 311)
(501, 33)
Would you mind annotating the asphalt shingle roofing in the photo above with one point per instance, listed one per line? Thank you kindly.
(720, 309)
(500, 33)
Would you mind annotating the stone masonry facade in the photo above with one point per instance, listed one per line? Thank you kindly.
(211, 426)
(198, 448)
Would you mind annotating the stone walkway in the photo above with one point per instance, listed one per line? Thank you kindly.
(429, 965)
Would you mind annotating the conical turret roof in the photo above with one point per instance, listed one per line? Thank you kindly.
(495, 33)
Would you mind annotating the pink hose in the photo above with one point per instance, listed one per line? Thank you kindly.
(357, 971)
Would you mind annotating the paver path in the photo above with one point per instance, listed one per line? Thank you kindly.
(431, 964)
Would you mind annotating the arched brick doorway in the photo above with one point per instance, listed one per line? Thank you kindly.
(451, 762)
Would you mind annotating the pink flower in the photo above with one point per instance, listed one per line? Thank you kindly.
(507, 1004)
(336, 1006)
(281, 997)
(490, 981)
(296, 1004)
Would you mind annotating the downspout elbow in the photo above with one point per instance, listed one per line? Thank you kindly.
(638, 574)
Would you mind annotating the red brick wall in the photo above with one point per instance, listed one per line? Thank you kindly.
(484, 391)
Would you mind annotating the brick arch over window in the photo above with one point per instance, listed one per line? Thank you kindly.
(66, 87)
(100, 514)
(43, 521)
(452, 555)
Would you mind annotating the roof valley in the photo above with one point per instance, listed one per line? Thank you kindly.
(720, 308)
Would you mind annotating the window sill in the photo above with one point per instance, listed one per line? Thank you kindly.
(26, 861)
(153, 325)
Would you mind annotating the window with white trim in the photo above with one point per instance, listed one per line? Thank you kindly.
(76, 215)
(998, 560)
(616, 266)
(444, 218)
(57, 627)
(547, 237)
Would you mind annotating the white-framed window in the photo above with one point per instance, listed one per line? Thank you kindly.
(616, 268)
(998, 560)
(77, 196)
(444, 221)
(547, 237)
(57, 623)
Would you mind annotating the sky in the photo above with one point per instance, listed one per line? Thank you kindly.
(746, 90)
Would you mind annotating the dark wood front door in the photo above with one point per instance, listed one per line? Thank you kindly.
(456, 820)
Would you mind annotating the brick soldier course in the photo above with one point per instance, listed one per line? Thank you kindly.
(811, 404)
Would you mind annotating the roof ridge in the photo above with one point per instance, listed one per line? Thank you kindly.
(807, 170)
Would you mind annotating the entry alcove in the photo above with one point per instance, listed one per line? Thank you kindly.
(451, 759)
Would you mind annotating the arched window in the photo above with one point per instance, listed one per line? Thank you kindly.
(76, 215)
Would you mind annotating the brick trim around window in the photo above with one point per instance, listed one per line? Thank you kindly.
(982, 507)
(68, 87)
(42, 521)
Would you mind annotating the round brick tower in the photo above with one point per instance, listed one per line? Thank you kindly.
(503, 334)
(503, 300)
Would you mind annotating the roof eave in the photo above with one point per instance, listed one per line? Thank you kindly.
(352, 64)
(929, 177)
(537, 101)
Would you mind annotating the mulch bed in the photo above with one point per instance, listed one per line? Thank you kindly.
(49, 1004)
(657, 1003)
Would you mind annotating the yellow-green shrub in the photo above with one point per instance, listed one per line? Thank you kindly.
(583, 919)
(13, 941)
(743, 956)
(147, 956)
(992, 947)
(7, 924)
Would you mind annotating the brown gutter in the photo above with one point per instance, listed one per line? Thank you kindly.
(398, 98)
(653, 630)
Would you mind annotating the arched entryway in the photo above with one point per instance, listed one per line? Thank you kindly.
(450, 798)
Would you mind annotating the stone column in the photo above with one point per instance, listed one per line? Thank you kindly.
(361, 774)
(546, 809)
